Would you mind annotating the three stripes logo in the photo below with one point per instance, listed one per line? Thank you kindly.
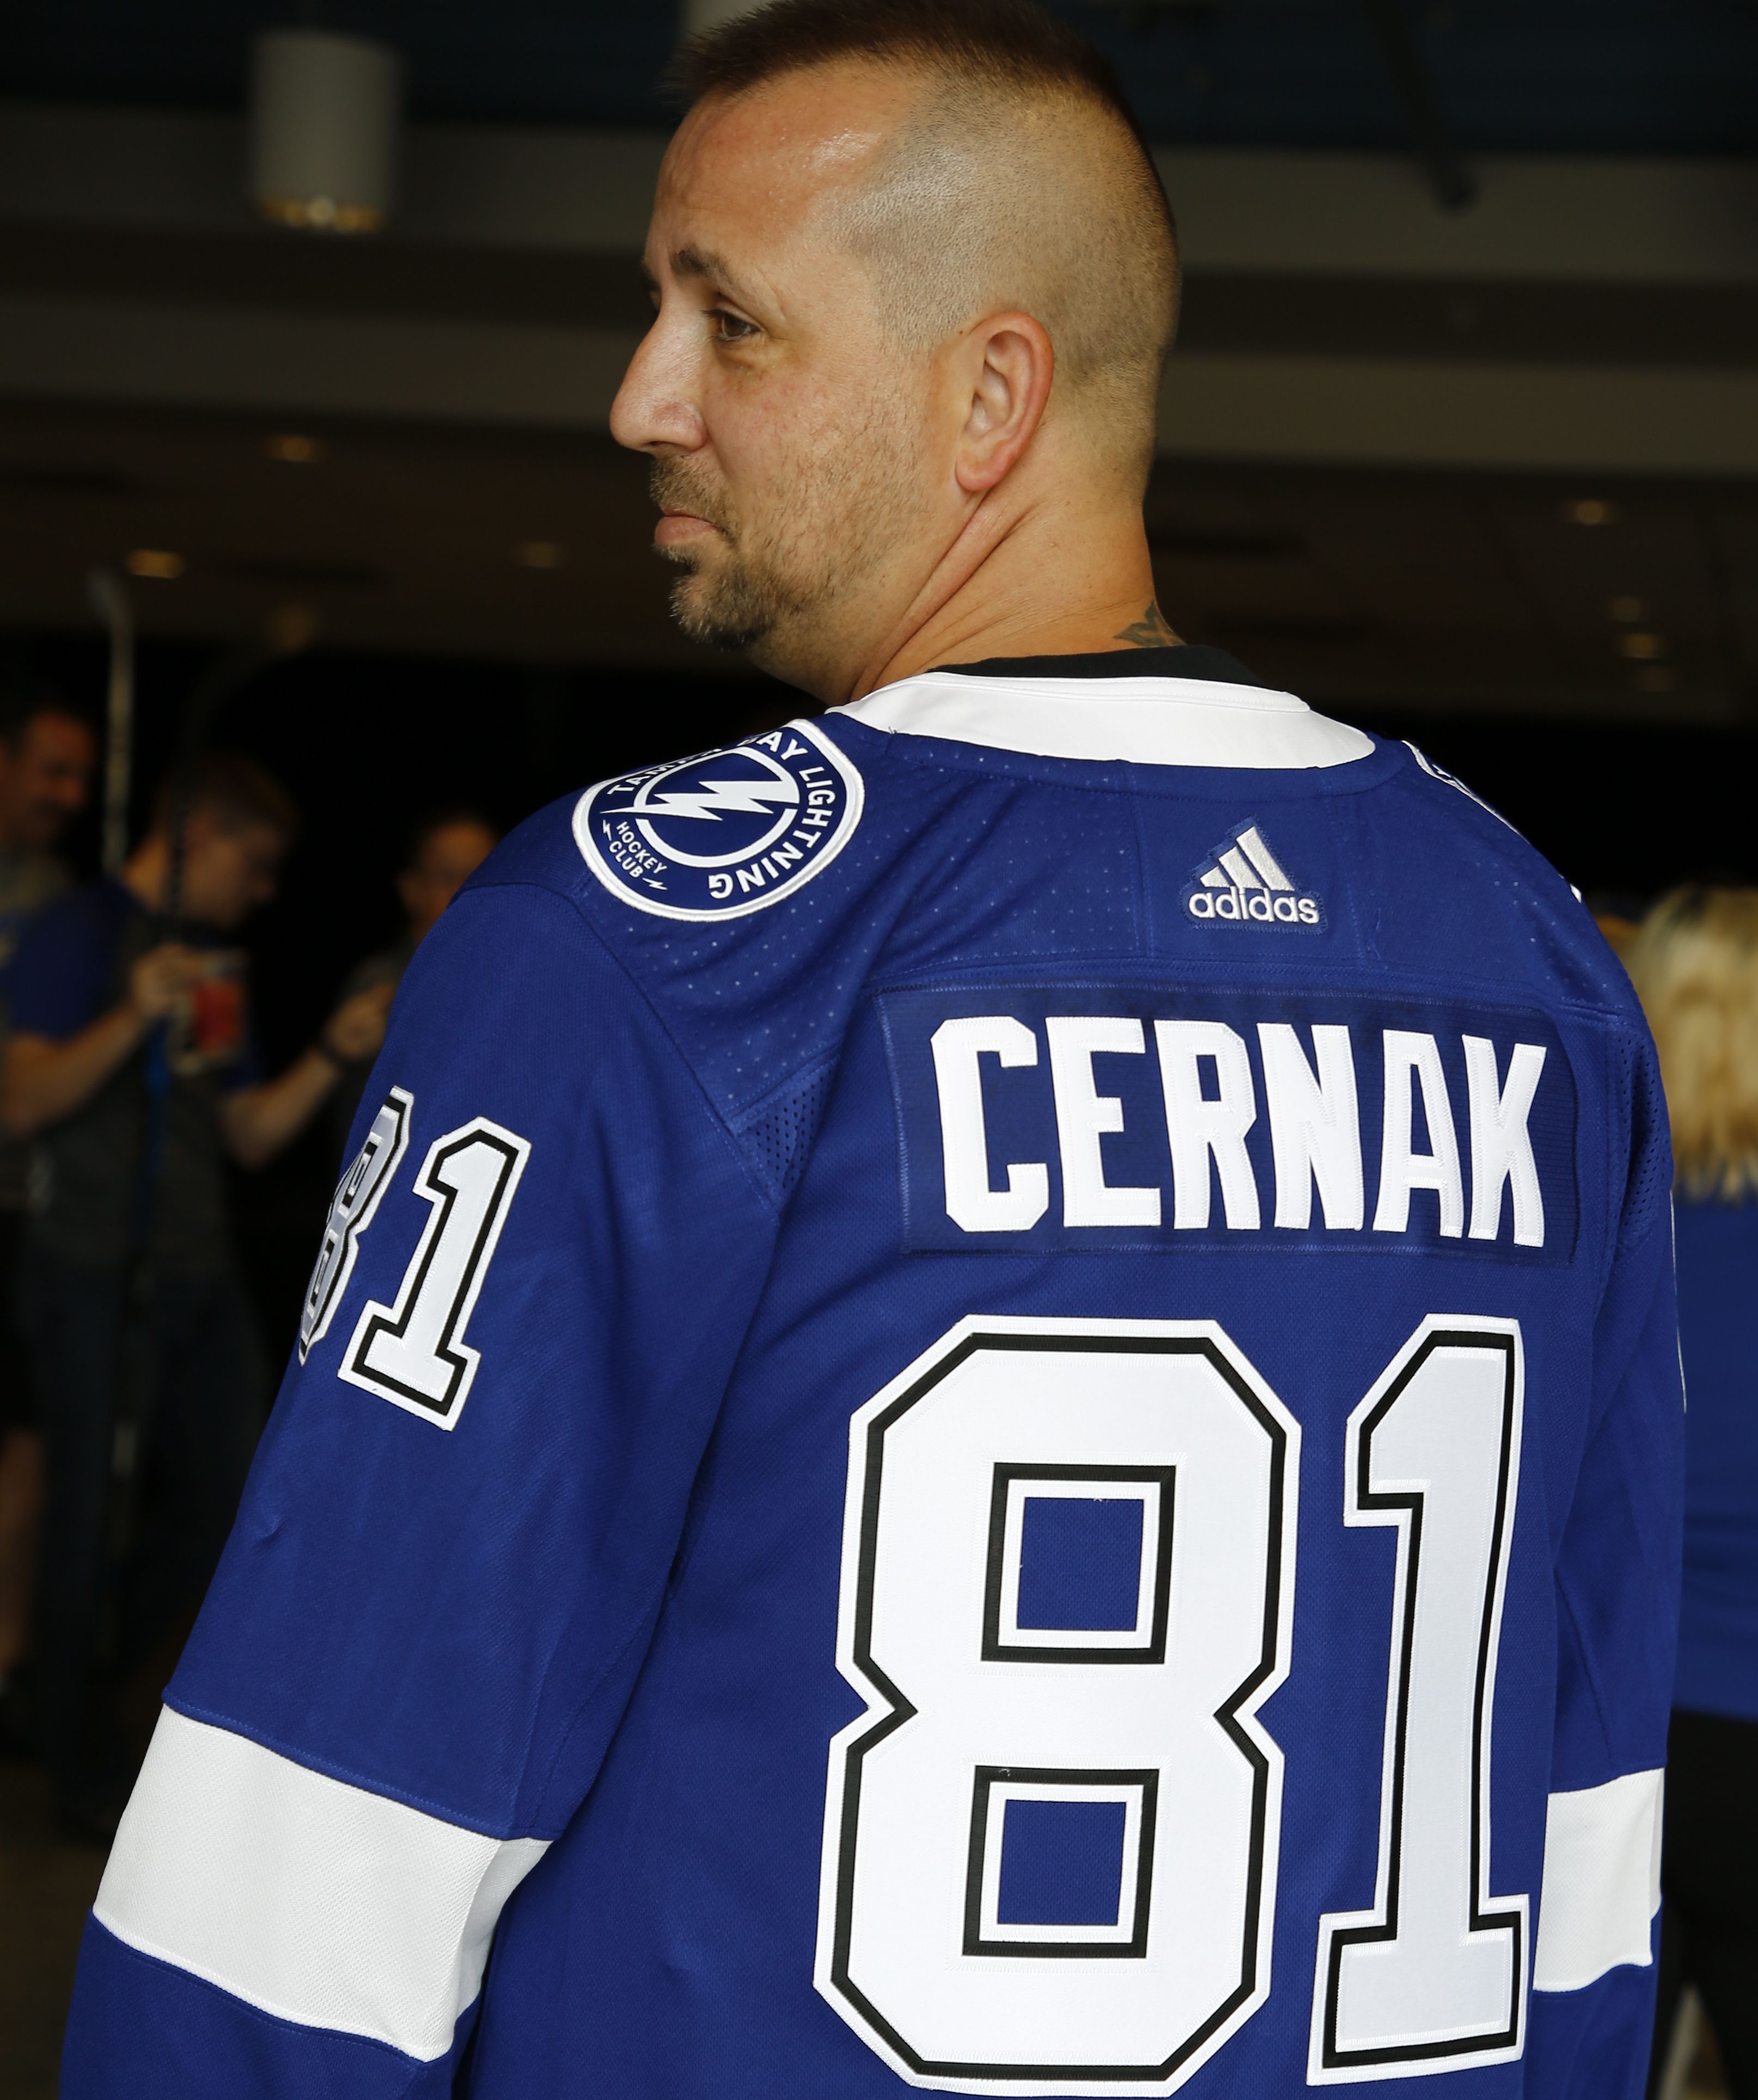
(1243, 884)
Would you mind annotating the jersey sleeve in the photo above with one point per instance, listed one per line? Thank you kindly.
(1618, 1581)
(455, 1541)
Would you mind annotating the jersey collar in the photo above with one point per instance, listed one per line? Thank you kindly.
(1114, 706)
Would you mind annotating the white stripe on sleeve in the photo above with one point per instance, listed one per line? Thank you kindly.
(317, 1901)
(1601, 1881)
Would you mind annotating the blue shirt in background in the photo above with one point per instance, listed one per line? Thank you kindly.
(141, 1161)
(1718, 1338)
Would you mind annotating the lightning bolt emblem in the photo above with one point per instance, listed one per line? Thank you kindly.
(715, 799)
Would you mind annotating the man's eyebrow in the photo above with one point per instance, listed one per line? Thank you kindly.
(704, 262)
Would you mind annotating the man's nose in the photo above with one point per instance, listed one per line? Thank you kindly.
(655, 409)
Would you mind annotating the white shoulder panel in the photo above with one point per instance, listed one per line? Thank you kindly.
(1149, 721)
(1601, 1881)
(316, 1901)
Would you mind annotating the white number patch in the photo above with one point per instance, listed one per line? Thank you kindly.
(998, 1718)
(414, 1353)
(1050, 1843)
(1434, 1977)
(350, 1212)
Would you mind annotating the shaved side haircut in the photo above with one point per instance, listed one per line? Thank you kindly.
(1021, 179)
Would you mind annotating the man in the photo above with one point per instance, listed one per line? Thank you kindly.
(442, 850)
(47, 753)
(995, 1407)
(130, 1066)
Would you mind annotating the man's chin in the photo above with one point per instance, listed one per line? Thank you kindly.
(716, 616)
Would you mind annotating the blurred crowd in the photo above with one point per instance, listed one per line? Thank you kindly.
(133, 1381)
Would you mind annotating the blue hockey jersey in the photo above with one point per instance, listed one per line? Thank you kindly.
(993, 1407)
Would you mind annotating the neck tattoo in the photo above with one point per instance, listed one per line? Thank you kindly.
(1150, 632)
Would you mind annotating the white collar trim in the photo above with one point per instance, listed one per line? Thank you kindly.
(1187, 721)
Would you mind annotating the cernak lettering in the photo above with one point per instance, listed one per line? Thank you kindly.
(1393, 1124)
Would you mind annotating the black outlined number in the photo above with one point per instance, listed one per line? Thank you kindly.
(972, 1724)
(350, 1212)
(1434, 1977)
(414, 1353)
(1001, 1714)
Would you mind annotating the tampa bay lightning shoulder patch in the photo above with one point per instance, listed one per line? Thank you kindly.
(726, 833)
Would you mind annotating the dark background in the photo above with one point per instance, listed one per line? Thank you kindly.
(1577, 75)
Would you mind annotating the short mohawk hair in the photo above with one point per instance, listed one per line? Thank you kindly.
(1011, 41)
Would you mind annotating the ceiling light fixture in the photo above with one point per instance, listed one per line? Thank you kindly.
(539, 554)
(324, 118)
(158, 562)
(293, 448)
(1590, 510)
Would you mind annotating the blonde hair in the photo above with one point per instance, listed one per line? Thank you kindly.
(1694, 963)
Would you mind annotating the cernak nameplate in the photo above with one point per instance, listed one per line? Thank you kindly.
(1038, 1118)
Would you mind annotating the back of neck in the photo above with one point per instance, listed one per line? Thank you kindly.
(1052, 583)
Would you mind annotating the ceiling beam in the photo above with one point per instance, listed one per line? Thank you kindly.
(507, 300)
(1567, 219)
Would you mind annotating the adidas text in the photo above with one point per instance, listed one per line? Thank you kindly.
(1254, 904)
(1243, 883)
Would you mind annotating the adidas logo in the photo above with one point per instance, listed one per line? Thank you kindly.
(1245, 884)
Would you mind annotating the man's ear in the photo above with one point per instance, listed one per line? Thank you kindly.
(1009, 364)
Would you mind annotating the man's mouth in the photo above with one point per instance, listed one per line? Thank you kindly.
(676, 528)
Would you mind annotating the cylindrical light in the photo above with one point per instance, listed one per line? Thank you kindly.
(700, 15)
(324, 112)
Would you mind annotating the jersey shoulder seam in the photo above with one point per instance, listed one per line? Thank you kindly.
(721, 1124)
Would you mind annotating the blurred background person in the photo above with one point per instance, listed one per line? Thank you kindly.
(442, 850)
(47, 753)
(131, 1066)
(1695, 965)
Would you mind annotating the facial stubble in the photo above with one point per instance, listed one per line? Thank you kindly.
(787, 567)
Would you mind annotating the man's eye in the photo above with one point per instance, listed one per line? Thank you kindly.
(729, 327)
